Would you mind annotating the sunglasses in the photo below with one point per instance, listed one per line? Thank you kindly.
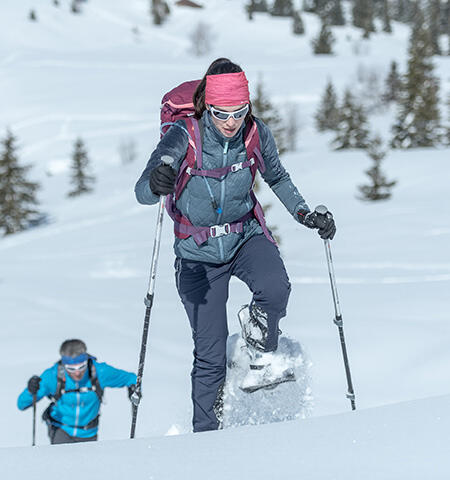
(76, 368)
(224, 116)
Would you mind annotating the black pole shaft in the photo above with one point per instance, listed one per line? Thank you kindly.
(149, 304)
(340, 324)
(34, 420)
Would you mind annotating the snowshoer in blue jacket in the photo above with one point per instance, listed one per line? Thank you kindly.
(220, 229)
(75, 385)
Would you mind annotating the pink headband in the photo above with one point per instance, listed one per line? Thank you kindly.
(227, 89)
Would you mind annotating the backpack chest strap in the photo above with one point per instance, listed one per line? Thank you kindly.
(220, 172)
(201, 234)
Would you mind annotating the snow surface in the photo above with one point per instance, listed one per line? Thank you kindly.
(85, 274)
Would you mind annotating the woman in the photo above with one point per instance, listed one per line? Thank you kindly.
(236, 241)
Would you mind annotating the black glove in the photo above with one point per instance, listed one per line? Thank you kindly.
(33, 384)
(325, 223)
(134, 395)
(162, 180)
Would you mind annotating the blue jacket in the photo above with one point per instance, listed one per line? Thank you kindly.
(77, 409)
(231, 192)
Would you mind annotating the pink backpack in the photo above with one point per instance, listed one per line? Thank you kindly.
(178, 104)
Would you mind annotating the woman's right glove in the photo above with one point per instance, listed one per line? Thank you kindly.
(33, 384)
(162, 180)
(325, 223)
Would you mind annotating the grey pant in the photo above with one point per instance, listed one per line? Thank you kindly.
(203, 288)
(58, 436)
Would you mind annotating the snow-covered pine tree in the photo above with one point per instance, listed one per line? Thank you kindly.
(363, 15)
(386, 17)
(403, 11)
(159, 10)
(379, 187)
(418, 118)
(282, 8)
(393, 85)
(263, 109)
(18, 202)
(352, 131)
(256, 6)
(327, 115)
(309, 6)
(80, 178)
(334, 13)
(75, 7)
(32, 16)
(323, 43)
(433, 14)
(298, 27)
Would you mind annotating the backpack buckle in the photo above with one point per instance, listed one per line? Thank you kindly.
(220, 230)
(236, 166)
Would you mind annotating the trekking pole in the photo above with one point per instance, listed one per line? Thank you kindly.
(34, 420)
(148, 301)
(321, 211)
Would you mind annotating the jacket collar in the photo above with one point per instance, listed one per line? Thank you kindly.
(214, 132)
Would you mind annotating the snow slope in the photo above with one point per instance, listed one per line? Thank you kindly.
(85, 274)
(396, 442)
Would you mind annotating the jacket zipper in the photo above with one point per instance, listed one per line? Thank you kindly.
(77, 415)
(222, 198)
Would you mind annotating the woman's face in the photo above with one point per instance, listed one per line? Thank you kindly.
(229, 127)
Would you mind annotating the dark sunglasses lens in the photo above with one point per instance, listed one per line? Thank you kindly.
(241, 114)
(221, 115)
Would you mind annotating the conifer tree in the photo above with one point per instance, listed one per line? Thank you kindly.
(75, 7)
(32, 16)
(352, 130)
(393, 85)
(298, 28)
(81, 180)
(434, 26)
(263, 109)
(17, 194)
(327, 116)
(159, 11)
(256, 6)
(379, 187)
(403, 11)
(323, 44)
(309, 6)
(386, 17)
(282, 8)
(418, 118)
(334, 13)
(363, 15)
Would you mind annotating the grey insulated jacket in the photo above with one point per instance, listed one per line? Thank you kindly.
(231, 193)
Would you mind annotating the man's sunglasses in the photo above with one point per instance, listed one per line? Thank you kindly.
(76, 368)
(224, 116)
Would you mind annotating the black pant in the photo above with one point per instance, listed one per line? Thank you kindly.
(203, 288)
(58, 436)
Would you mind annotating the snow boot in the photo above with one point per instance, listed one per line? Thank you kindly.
(266, 369)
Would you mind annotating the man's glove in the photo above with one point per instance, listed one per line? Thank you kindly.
(325, 223)
(33, 384)
(162, 180)
(134, 395)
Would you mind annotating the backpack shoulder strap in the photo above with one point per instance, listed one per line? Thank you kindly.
(94, 380)
(253, 147)
(60, 382)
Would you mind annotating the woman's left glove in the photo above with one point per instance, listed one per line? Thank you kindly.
(325, 223)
